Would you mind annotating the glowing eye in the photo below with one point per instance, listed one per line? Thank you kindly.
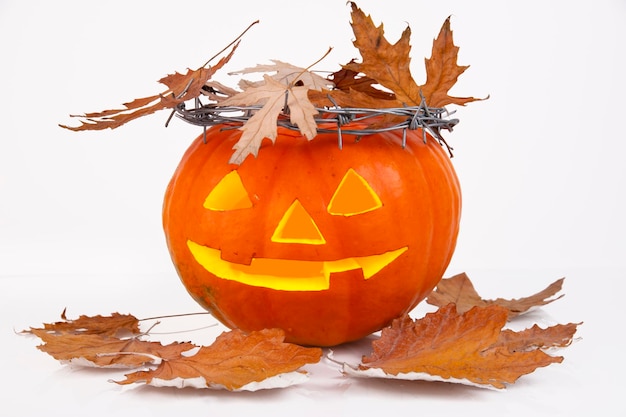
(353, 196)
(228, 194)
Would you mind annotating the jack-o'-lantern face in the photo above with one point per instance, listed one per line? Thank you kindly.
(352, 197)
(329, 245)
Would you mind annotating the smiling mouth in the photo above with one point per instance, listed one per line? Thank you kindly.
(286, 274)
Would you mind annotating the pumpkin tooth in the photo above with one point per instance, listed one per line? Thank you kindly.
(370, 265)
(374, 263)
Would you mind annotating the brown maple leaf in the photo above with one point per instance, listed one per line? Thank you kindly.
(347, 79)
(114, 325)
(460, 291)
(558, 336)
(102, 341)
(465, 348)
(233, 361)
(442, 71)
(103, 351)
(389, 64)
(180, 88)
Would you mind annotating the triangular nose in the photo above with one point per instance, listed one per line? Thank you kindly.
(297, 226)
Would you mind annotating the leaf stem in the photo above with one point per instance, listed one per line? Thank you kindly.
(330, 48)
(230, 44)
(174, 315)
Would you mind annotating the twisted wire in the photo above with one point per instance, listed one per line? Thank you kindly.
(429, 119)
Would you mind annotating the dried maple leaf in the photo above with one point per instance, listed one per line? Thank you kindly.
(102, 341)
(460, 291)
(286, 74)
(114, 325)
(262, 124)
(235, 361)
(389, 64)
(273, 96)
(180, 88)
(106, 352)
(558, 336)
(465, 348)
(442, 71)
(347, 79)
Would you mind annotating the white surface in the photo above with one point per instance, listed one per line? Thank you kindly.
(540, 163)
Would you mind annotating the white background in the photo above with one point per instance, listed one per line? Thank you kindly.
(540, 164)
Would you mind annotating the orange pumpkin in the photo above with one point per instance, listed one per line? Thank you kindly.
(327, 244)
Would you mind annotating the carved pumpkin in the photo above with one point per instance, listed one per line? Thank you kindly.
(328, 244)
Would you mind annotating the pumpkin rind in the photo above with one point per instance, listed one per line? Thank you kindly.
(420, 211)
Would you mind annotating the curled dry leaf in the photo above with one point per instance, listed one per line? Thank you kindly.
(114, 325)
(442, 71)
(102, 341)
(460, 291)
(468, 348)
(180, 88)
(558, 336)
(105, 351)
(234, 361)
(389, 64)
(285, 74)
(274, 93)
(347, 79)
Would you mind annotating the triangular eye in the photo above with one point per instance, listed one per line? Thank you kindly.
(228, 194)
(353, 196)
